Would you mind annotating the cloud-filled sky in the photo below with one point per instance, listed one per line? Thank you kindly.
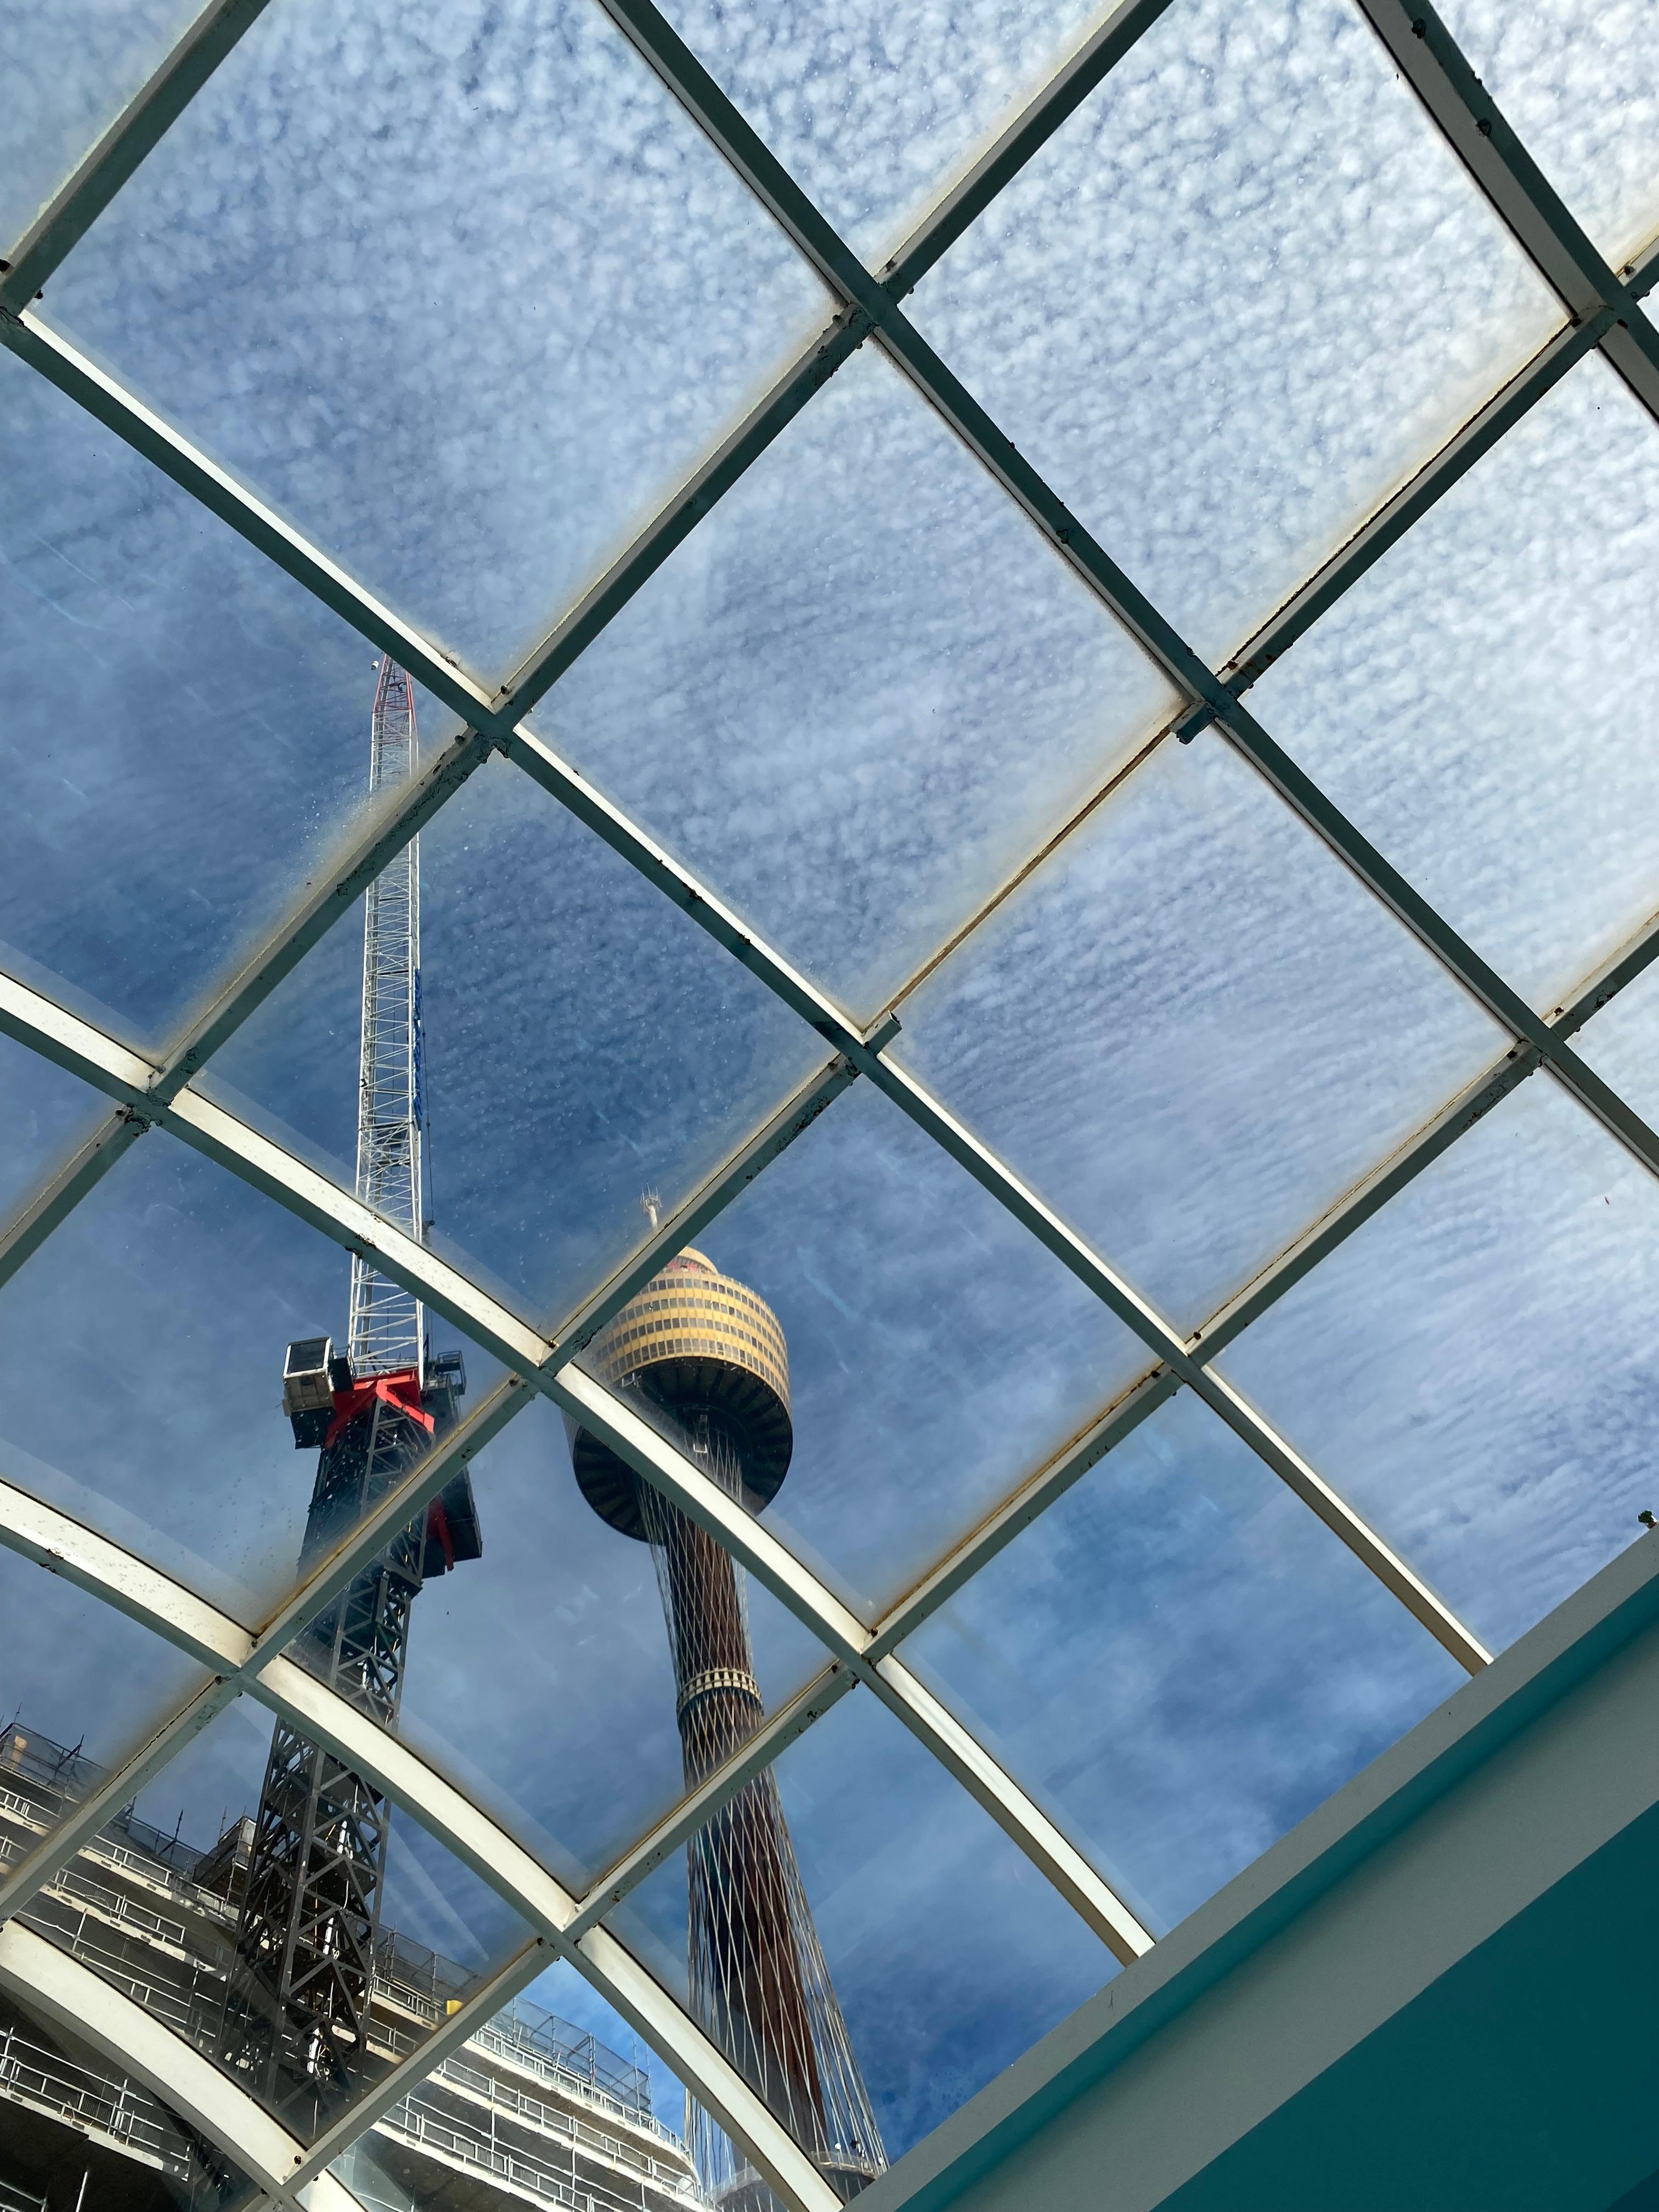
(875, 109)
(533, 294)
(71, 66)
(1482, 702)
(1475, 1369)
(185, 735)
(1192, 1029)
(1243, 293)
(861, 693)
(463, 292)
(1579, 81)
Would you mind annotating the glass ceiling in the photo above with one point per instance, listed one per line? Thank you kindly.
(1033, 642)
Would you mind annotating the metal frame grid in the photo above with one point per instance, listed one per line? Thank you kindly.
(1602, 311)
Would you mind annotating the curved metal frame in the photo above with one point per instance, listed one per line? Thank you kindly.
(1605, 314)
(76, 1998)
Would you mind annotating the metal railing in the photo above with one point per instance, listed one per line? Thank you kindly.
(107, 2104)
(423, 2127)
(534, 2113)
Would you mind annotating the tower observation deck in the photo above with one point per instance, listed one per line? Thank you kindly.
(709, 1358)
(297, 2002)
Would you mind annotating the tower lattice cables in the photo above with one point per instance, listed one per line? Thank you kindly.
(296, 2016)
(710, 1358)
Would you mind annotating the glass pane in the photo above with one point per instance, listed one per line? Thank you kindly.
(859, 823)
(1579, 81)
(874, 109)
(45, 1116)
(1485, 691)
(1240, 296)
(557, 2095)
(936, 1353)
(142, 1353)
(82, 1687)
(1622, 1044)
(77, 2131)
(583, 1041)
(1180, 1661)
(944, 1952)
(71, 66)
(187, 731)
(460, 289)
(1193, 1029)
(169, 1922)
(1473, 1368)
(540, 1676)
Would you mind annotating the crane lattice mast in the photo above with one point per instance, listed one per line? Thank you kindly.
(386, 1326)
(297, 2013)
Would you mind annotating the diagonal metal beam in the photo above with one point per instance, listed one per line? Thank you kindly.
(333, 888)
(710, 913)
(1430, 61)
(1477, 437)
(791, 1119)
(71, 211)
(221, 1136)
(192, 1624)
(65, 1187)
(1471, 1105)
(82, 1822)
(1171, 1351)
(1642, 274)
(675, 1829)
(1029, 131)
(1413, 501)
(82, 381)
(474, 2012)
(52, 1983)
(1431, 929)
(1154, 1389)
(1027, 1503)
(577, 627)
(1026, 136)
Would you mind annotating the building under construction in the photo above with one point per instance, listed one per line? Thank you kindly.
(706, 1358)
(528, 2111)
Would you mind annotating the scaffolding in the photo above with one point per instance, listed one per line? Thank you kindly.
(531, 2107)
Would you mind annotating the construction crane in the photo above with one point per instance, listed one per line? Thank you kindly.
(296, 2010)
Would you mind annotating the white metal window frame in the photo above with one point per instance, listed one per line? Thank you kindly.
(1603, 311)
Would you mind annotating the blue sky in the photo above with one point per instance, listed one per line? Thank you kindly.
(461, 290)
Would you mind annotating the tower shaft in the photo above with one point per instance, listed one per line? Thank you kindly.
(746, 1898)
(759, 1983)
(710, 1359)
